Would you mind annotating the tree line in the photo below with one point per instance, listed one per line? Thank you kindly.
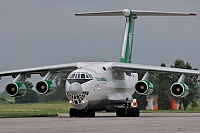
(33, 97)
(162, 84)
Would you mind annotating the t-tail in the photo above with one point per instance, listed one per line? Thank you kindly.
(131, 16)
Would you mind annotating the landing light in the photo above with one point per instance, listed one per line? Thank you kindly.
(70, 101)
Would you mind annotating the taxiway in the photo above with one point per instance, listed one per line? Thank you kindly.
(105, 123)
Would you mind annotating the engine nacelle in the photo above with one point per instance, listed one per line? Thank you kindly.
(45, 87)
(144, 87)
(179, 89)
(15, 89)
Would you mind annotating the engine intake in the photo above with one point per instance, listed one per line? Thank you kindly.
(144, 87)
(15, 89)
(179, 89)
(45, 87)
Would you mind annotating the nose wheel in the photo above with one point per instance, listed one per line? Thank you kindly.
(81, 113)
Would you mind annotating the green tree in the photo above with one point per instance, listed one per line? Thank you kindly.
(163, 90)
(29, 85)
(141, 101)
(163, 82)
(30, 97)
(58, 95)
(191, 81)
(2, 99)
(163, 95)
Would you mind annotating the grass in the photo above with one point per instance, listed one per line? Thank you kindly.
(33, 110)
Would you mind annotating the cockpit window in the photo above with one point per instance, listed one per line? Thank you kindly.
(78, 75)
(72, 76)
(90, 76)
(87, 76)
(82, 76)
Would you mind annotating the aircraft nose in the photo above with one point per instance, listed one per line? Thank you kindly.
(75, 88)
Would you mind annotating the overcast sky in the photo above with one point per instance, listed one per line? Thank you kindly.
(45, 32)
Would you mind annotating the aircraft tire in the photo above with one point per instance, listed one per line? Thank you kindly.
(135, 112)
(90, 113)
(82, 113)
(76, 112)
(71, 112)
(120, 112)
(86, 113)
(131, 112)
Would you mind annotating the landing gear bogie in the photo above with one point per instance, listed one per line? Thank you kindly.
(127, 112)
(81, 113)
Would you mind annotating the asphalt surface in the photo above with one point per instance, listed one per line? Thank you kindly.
(105, 123)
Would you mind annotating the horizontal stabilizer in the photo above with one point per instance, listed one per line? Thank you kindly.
(127, 12)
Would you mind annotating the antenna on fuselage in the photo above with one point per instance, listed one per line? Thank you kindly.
(131, 15)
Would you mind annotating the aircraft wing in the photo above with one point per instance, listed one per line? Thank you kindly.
(137, 68)
(62, 68)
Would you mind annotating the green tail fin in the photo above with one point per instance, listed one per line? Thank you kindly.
(127, 46)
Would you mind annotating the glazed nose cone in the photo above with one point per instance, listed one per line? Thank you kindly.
(75, 88)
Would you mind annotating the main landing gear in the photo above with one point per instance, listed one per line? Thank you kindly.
(81, 113)
(127, 112)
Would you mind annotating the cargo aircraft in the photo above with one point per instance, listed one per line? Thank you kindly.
(109, 86)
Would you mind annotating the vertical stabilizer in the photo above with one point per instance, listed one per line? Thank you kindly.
(127, 46)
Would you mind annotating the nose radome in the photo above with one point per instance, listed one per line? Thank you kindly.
(75, 88)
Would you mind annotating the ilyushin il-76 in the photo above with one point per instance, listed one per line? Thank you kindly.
(97, 86)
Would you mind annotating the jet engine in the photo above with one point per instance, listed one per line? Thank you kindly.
(45, 87)
(144, 87)
(179, 89)
(15, 89)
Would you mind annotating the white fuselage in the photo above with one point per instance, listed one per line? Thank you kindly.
(97, 86)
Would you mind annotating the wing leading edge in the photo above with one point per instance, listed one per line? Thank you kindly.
(127, 67)
(66, 68)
